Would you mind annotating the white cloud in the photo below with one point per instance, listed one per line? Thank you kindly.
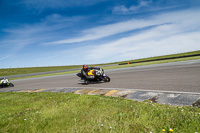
(107, 30)
(179, 33)
(184, 18)
(161, 34)
(5, 57)
(126, 10)
(38, 33)
(148, 44)
(57, 4)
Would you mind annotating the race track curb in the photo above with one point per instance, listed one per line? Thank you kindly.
(168, 98)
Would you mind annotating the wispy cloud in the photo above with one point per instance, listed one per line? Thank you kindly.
(171, 33)
(5, 57)
(146, 6)
(179, 34)
(107, 30)
(48, 32)
(38, 33)
(134, 24)
(122, 9)
(57, 4)
(151, 43)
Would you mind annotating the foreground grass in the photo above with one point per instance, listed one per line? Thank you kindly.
(66, 112)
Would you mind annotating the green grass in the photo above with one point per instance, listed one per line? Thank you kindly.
(118, 66)
(60, 73)
(162, 57)
(153, 62)
(17, 71)
(66, 112)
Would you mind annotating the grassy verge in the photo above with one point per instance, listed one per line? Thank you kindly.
(163, 57)
(118, 66)
(17, 71)
(153, 62)
(66, 112)
(69, 72)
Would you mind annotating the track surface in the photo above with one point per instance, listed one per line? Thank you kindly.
(181, 76)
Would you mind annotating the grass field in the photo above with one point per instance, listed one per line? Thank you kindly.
(17, 71)
(71, 113)
(118, 66)
(153, 62)
(163, 57)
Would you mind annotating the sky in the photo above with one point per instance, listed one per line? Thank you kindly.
(36, 33)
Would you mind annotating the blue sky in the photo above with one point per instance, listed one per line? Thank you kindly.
(72, 32)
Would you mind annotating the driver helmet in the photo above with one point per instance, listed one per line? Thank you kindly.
(85, 67)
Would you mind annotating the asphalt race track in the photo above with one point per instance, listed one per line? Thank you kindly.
(178, 76)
